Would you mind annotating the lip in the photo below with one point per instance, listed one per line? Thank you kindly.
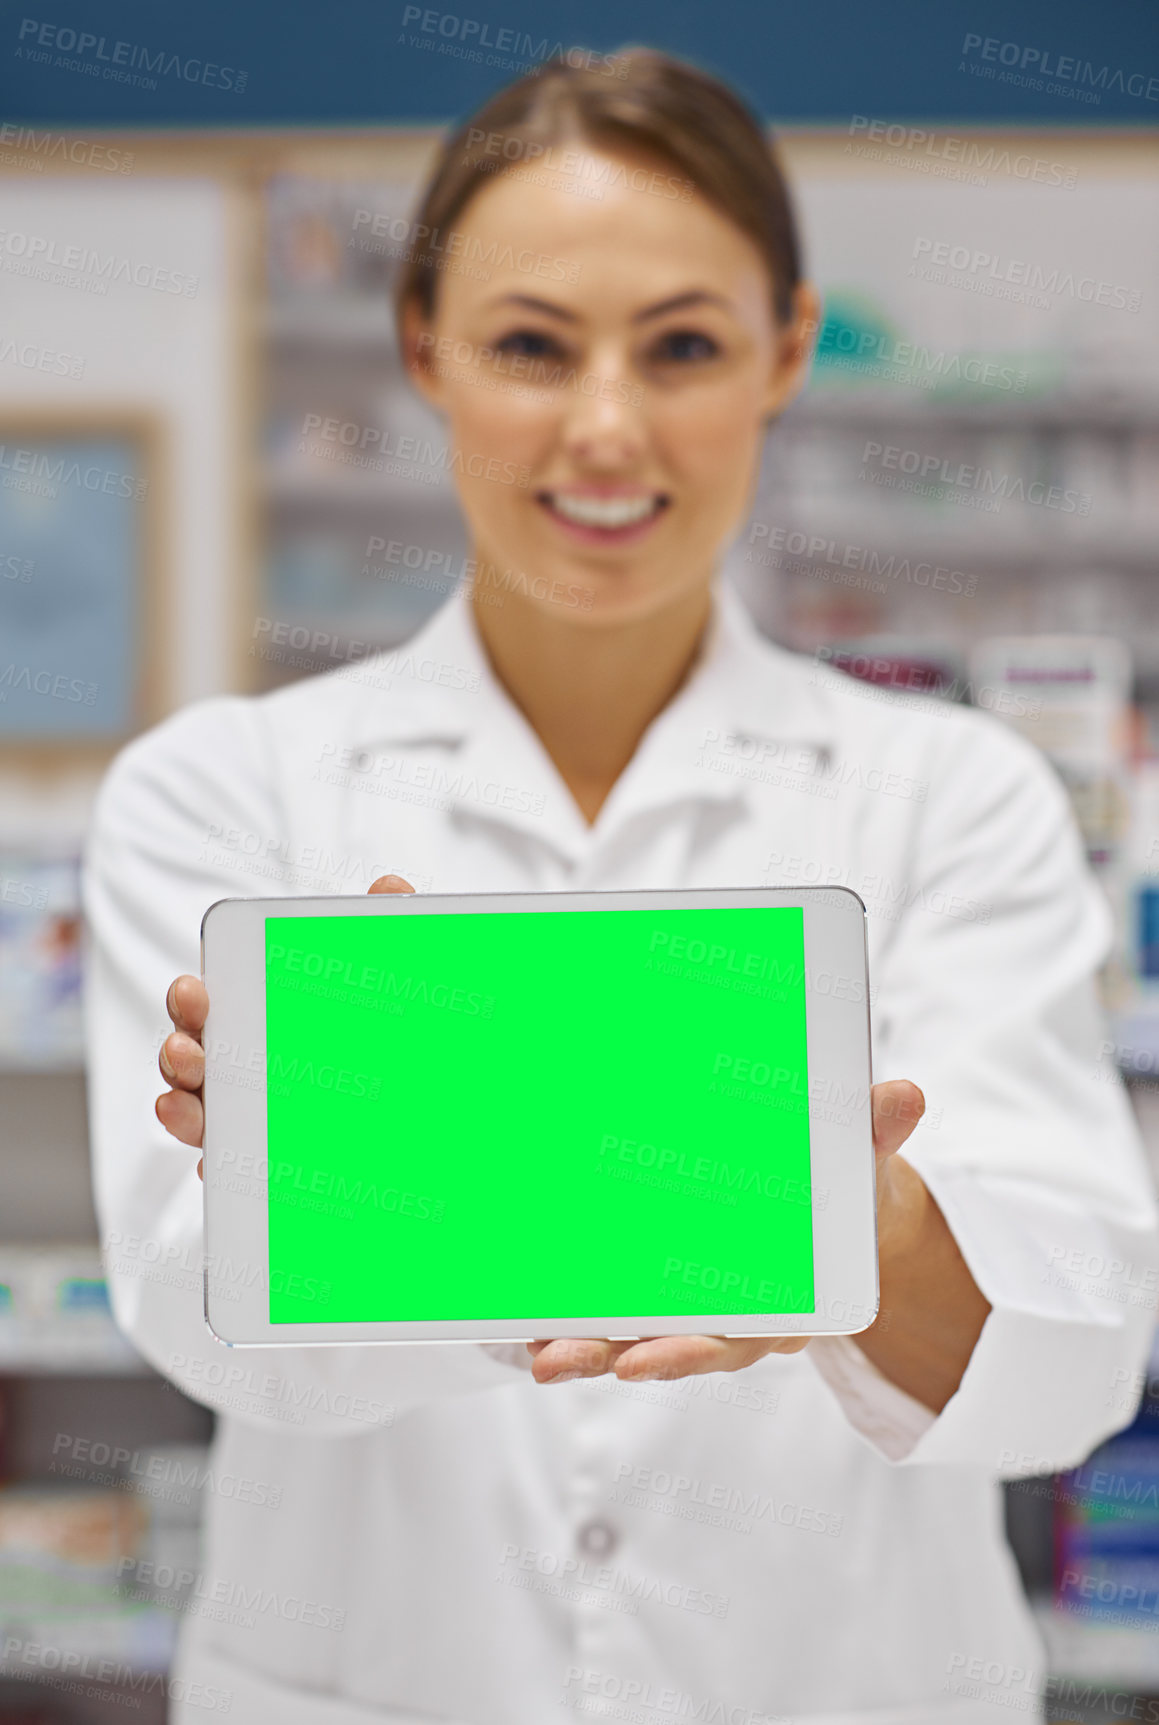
(587, 533)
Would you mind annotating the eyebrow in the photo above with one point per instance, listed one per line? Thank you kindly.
(679, 302)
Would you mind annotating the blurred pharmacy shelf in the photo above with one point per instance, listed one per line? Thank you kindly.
(292, 485)
(98, 1569)
(1087, 1651)
(352, 321)
(62, 1065)
(1013, 542)
(836, 405)
(55, 1317)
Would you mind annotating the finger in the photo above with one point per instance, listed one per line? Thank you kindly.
(559, 1361)
(182, 1116)
(187, 1004)
(201, 1169)
(897, 1108)
(182, 1062)
(690, 1356)
(536, 1348)
(390, 883)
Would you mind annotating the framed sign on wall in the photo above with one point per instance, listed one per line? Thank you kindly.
(81, 595)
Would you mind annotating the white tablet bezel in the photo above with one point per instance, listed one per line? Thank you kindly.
(842, 1162)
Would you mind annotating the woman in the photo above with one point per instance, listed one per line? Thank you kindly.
(781, 1528)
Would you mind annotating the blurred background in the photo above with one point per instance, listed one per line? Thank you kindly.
(214, 478)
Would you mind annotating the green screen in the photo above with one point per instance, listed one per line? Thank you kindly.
(537, 1115)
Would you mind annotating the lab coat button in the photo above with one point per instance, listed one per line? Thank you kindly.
(596, 1538)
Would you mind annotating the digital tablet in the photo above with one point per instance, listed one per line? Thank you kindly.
(509, 1116)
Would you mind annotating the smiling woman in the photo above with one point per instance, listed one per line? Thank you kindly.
(629, 314)
(631, 371)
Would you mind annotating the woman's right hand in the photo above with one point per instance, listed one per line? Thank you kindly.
(182, 1057)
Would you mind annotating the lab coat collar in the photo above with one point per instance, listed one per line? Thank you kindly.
(744, 697)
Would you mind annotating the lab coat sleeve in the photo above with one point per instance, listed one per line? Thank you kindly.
(187, 815)
(985, 996)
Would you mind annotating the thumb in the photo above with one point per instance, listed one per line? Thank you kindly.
(390, 883)
(897, 1107)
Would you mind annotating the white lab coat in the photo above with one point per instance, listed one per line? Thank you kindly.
(422, 1533)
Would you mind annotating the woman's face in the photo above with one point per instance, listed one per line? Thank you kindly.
(606, 385)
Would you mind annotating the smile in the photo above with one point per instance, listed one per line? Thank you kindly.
(605, 515)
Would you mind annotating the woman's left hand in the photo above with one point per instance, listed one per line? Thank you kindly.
(897, 1108)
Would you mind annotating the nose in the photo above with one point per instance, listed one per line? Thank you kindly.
(605, 425)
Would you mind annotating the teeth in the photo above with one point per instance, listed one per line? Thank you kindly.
(603, 511)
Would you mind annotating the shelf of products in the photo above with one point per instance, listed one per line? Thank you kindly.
(40, 961)
(352, 458)
(1101, 1621)
(55, 1316)
(340, 320)
(837, 403)
(102, 1567)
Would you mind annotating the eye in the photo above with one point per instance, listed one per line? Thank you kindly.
(531, 343)
(685, 346)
